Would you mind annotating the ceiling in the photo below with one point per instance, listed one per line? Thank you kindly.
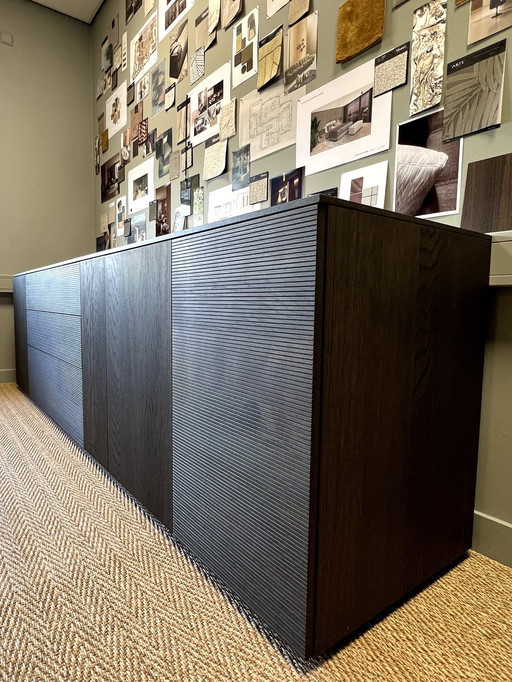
(84, 10)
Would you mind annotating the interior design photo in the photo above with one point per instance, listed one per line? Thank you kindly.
(255, 320)
(340, 122)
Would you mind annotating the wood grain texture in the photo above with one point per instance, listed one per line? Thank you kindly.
(403, 357)
(94, 358)
(20, 332)
(138, 374)
(488, 195)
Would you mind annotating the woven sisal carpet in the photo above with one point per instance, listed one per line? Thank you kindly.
(92, 590)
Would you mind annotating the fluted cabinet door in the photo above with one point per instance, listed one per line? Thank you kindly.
(138, 374)
(243, 319)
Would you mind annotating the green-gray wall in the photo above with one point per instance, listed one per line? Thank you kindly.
(46, 188)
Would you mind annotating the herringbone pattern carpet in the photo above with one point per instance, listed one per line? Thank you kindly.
(91, 590)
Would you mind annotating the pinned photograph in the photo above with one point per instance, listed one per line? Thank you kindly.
(170, 12)
(427, 170)
(182, 122)
(138, 229)
(109, 179)
(163, 151)
(301, 53)
(241, 171)
(245, 48)
(287, 187)
(142, 88)
(158, 89)
(121, 213)
(366, 185)
(178, 52)
(141, 186)
(487, 18)
(206, 101)
(125, 147)
(116, 110)
(427, 56)
(163, 210)
(345, 121)
(135, 120)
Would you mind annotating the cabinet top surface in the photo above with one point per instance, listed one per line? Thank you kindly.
(318, 200)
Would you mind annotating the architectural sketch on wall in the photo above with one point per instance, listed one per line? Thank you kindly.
(143, 49)
(268, 120)
(391, 69)
(474, 92)
(245, 48)
(365, 185)
(116, 110)
(170, 12)
(427, 170)
(427, 56)
(345, 122)
(206, 101)
(301, 53)
(487, 18)
(224, 203)
(141, 185)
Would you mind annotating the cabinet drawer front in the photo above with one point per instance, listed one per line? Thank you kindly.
(55, 334)
(55, 290)
(56, 386)
(243, 306)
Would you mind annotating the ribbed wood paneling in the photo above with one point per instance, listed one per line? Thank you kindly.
(55, 290)
(56, 386)
(55, 334)
(243, 306)
(20, 331)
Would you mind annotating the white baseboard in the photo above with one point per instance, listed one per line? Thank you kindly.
(7, 376)
(493, 538)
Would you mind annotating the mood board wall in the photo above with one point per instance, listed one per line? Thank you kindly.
(339, 133)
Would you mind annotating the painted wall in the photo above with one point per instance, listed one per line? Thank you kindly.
(46, 187)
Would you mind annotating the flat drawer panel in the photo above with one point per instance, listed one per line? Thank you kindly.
(56, 386)
(56, 334)
(55, 290)
(242, 378)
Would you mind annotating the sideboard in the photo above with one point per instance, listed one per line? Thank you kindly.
(294, 393)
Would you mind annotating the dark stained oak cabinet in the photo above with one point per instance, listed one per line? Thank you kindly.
(294, 393)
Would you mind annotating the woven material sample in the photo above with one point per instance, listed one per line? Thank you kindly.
(360, 25)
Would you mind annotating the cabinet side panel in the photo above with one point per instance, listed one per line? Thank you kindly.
(20, 331)
(243, 334)
(370, 293)
(446, 399)
(94, 358)
(138, 374)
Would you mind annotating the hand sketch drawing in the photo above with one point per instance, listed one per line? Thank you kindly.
(427, 63)
(268, 120)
